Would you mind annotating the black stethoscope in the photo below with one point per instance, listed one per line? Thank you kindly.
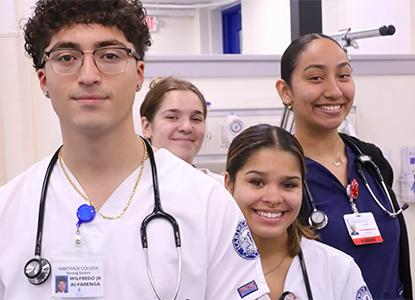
(38, 269)
(290, 295)
(319, 219)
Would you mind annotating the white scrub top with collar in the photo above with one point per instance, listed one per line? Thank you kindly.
(332, 274)
(215, 266)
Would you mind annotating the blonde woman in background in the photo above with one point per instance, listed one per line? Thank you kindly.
(173, 116)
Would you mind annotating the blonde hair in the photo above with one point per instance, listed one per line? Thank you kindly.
(159, 86)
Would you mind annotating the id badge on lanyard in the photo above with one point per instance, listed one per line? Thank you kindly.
(77, 274)
(362, 227)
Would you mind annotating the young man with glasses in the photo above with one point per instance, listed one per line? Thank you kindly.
(89, 60)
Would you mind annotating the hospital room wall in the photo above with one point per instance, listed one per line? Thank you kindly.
(266, 27)
(385, 112)
(385, 116)
(360, 15)
(29, 129)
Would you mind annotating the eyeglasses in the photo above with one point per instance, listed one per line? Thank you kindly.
(110, 60)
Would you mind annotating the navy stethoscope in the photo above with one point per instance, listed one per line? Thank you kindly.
(318, 219)
(38, 269)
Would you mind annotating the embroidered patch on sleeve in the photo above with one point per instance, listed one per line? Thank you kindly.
(247, 289)
(244, 243)
(363, 294)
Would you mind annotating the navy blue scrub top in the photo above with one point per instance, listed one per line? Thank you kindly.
(379, 262)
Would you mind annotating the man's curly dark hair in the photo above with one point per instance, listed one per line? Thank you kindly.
(50, 16)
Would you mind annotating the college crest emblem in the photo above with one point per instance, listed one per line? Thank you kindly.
(243, 242)
(363, 294)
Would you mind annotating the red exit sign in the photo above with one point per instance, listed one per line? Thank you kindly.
(152, 23)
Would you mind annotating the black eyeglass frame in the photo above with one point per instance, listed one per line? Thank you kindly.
(129, 51)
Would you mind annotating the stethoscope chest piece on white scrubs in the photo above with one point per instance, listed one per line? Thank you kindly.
(37, 270)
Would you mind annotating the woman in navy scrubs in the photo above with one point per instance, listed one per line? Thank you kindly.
(316, 83)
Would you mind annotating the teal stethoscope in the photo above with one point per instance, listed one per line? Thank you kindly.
(38, 269)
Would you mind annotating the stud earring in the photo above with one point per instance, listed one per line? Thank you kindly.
(46, 93)
(138, 86)
(288, 105)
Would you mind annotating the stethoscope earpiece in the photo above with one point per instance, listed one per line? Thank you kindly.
(37, 270)
(318, 219)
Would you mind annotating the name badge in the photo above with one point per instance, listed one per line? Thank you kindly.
(77, 277)
(362, 228)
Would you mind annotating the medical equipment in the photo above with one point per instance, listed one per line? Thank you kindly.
(289, 295)
(231, 128)
(38, 269)
(305, 275)
(319, 219)
(347, 38)
(407, 177)
(212, 155)
(158, 212)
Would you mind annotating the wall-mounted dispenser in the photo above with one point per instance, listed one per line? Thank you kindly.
(231, 128)
(407, 178)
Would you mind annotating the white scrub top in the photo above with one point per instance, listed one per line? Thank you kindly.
(219, 178)
(218, 260)
(332, 274)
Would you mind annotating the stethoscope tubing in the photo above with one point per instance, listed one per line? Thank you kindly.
(42, 205)
(290, 295)
(150, 275)
(158, 212)
(361, 159)
(362, 175)
(305, 275)
(38, 269)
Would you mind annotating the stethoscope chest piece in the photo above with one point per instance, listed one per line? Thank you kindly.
(318, 219)
(37, 270)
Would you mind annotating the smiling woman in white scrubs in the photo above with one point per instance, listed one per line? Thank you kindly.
(173, 116)
(265, 170)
